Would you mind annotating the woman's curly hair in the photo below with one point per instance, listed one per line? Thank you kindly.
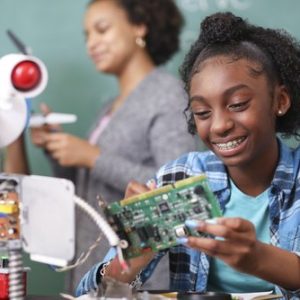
(163, 21)
(275, 52)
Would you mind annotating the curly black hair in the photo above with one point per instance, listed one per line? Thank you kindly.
(164, 23)
(276, 53)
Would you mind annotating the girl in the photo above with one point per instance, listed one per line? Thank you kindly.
(244, 88)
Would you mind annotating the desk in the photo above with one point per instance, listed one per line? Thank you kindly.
(36, 297)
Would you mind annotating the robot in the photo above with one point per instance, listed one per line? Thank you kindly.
(37, 213)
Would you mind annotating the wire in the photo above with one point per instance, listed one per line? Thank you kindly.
(107, 231)
(121, 259)
(111, 236)
(82, 258)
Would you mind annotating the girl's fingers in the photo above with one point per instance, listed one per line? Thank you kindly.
(237, 224)
(211, 246)
(134, 188)
(218, 229)
(221, 226)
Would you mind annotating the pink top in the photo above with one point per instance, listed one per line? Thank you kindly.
(99, 129)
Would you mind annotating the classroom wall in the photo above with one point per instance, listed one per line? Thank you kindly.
(53, 29)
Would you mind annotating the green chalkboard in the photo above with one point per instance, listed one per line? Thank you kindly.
(53, 29)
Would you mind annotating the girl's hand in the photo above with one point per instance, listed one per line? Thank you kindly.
(134, 188)
(71, 151)
(136, 264)
(236, 242)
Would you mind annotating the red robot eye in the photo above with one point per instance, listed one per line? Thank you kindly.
(26, 75)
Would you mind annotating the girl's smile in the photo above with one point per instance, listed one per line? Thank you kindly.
(230, 147)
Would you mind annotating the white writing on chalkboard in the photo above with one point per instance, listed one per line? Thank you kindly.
(205, 5)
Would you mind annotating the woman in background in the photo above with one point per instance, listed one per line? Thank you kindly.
(141, 128)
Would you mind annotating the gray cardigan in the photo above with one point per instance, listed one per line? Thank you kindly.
(148, 130)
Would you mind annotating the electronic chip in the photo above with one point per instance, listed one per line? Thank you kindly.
(164, 207)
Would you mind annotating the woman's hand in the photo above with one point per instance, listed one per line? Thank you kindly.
(39, 134)
(236, 242)
(71, 151)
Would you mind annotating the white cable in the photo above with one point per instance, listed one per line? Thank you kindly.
(111, 236)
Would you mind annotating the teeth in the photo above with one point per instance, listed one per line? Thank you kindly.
(230, 145)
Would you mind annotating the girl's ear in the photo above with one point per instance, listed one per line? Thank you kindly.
(282, 101)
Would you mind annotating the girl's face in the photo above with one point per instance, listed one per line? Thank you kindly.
(234, 112)
(110, 37)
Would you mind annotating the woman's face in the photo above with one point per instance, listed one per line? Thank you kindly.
(110, 38)
(234, 111)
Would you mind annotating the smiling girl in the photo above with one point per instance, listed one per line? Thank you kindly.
(243, 83)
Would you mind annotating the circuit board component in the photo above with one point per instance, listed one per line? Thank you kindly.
(155, 219)
(9, 211)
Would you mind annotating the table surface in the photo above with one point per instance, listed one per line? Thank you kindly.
(36, 297)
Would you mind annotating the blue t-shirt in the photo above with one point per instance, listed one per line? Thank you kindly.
(221, 276)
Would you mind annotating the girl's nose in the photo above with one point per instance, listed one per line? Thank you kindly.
(222, 123)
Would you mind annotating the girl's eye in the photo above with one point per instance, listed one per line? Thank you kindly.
(239, 106)
(202, 115)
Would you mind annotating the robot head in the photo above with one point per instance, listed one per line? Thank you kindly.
(21, 76)
(26, 75)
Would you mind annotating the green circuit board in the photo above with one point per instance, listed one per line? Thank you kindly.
(156, 219)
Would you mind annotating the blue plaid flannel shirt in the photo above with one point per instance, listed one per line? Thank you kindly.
(189, 268)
